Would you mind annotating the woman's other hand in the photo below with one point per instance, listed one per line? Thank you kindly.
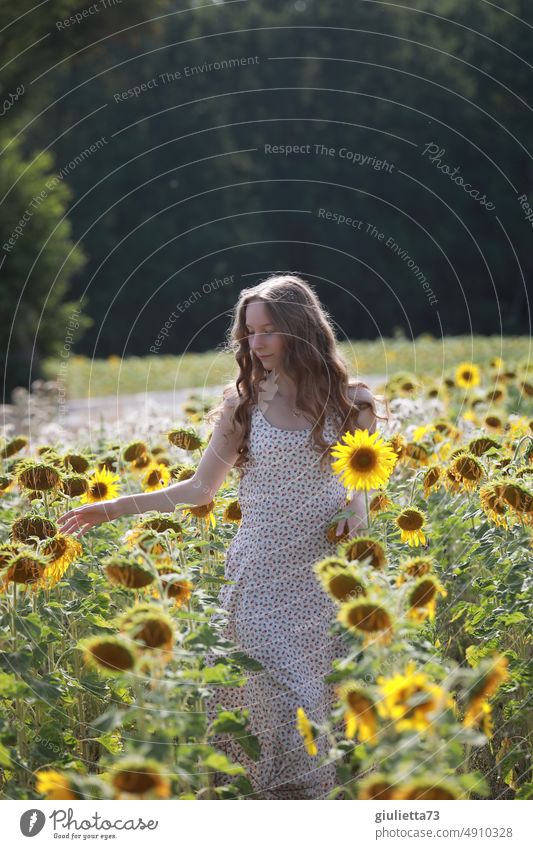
(82, 519)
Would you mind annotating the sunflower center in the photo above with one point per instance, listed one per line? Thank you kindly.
(99, 489)
(363, 460)
(410, 521)
(154, 478)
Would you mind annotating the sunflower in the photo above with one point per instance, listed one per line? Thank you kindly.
(342, 582)
(40, 477)
(422, 598)
(157, 476)
(481, 444)
(492, 672)
(494, 422)
(26, 527)
(232, 512)
(160, 523)
(467, 375)
(6, 483)
(431, 479)
(467, 469)
(103, 485)
(107, 463)
(185, 438)
(74, 485)
(411, 523)
(519, 498)
(411, 700)
(493, 504)
(149, 627)
(365, 461)
(76, 462)
(415, 567)
(306, 731)
(126, 571)
(323, 567)
(428, 788)
(140, 778)
(140, 464)
(13, 446)
(360, 715)
(174, 587)
(203, 511)
(55, 785)
(333, 537)
(61, 551)
(134, 450)
(378, 787)
(415, 455)
(361, 548)
(111, 654)
(26, 566)
(367, 618)
(397, 443)
(379, 503)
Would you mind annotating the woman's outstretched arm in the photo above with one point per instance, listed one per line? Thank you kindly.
(217, 460)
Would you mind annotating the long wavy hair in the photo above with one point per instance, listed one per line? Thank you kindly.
(310, 356)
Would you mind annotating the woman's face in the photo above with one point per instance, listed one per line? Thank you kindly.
(265, 343)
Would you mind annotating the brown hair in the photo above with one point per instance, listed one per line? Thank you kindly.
(310, 356)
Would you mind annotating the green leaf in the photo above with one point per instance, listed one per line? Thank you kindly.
(221, 763)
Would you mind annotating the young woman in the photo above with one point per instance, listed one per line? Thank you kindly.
(291, 401)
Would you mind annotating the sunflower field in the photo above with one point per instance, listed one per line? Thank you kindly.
(103, 639)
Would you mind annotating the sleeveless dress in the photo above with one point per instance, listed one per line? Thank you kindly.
(278, 613)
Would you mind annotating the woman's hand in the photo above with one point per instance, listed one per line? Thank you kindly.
(82, 519)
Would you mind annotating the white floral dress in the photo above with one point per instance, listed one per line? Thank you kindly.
(278, 612)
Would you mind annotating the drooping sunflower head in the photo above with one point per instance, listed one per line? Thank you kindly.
(494, 422)
(429, 787)
(203, 511)
(139, 778)
(491, 672)
(61, 551)
(467, 469)
(112, 654)
(149, 627)
(39, 527)
(380, 503)
(39, 477)
(156, 477)
(493, 504)
(127, 571)
(74, 485)
(342, 582)
(432, 479)
(174, 586)
(160, 523)
(232, 512)
(134, 450)
(26, 566)
(185, 438)
(467, 375)
(411, 522)
(140, 464)
(422, 597)
(360, 715)
(78, 463)
(13, 446)
(397, 442)
(364, 461)
(377, 786)
(108, 462)
(415, 454)
(363, 548)
(519, 497)
(414, 567)
(103, 485)
(367, 618)
(411, 699)
(481, 444)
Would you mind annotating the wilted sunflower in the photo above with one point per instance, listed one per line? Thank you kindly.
(160, 523)
(368, 618)
(415, 455)
(107, 463)
(55, 785)
(365, 461)
(342, 582)
(74, 485)
(140, 778)
(39, 477)
(377, 786)
(112, 654)
(519, 498)
(467, 469)
(467, 375)
(203, 511)
(397, 442)
(481, 444)
(361, 548)
(232, 512)
(431, 479)
(360, 715)
(494, 422)
(182, 472)
(103, 485)
(77, 462)
(306, 731)
(129, 572)
(411, 523)
(415, 567)
(428, 788)
(134, 450)
(26, 566)
(493, 504)
(174, 587)
(492, 672)
(26, 527)
(149, 627)
(379, 503)
(411, 700)
(13, 446)
(185, 438)
(61, 551)
(157, 477)
(422, 598)
(327, 564)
